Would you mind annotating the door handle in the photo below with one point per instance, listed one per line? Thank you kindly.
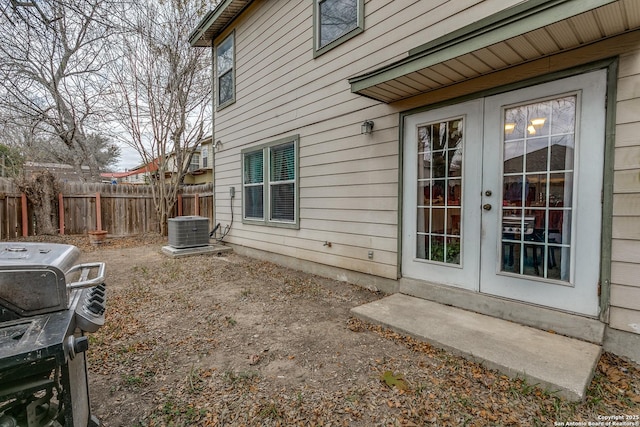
(486, 207)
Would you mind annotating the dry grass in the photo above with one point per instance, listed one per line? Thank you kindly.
(213, 341)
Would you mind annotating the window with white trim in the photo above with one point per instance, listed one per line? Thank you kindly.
(336, 21)
(225, 73)
(205, 157)
(270, 183)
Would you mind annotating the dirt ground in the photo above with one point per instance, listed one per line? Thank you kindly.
(230, 341)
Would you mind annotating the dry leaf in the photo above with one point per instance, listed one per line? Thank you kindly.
(392, 380)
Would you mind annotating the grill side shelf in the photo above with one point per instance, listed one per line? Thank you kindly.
(33, 339)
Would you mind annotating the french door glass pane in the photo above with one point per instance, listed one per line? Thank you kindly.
(537, 188)
(439, 198)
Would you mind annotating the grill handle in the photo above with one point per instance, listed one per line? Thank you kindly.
(83, 282)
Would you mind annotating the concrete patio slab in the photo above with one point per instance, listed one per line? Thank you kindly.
(555, 363)
(198, 250)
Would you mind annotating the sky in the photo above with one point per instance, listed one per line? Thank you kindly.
(129, 159)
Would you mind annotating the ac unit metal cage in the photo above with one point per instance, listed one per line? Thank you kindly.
(188, 232)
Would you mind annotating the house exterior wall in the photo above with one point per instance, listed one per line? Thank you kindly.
(201, 178)
(348, 181)
(625, 266)
(137, 178)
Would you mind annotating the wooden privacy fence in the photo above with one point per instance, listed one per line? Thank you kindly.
(121, 210)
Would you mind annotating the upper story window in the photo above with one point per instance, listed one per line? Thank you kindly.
(336, 21)
(205, 157)
(225, 71)
(270, 183)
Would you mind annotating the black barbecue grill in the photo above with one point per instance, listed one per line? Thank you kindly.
(47, 303)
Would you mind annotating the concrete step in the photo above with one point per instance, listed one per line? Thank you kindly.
(553, 362)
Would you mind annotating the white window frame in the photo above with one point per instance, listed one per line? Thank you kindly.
(231, 69)
(267, 183)
(319, 49)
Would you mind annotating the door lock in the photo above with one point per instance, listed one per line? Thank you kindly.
(488, 193)
(486, 207)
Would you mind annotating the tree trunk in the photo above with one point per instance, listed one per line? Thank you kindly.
(41, 190)
(44, 215)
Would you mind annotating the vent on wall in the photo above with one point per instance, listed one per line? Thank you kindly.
(188, 232)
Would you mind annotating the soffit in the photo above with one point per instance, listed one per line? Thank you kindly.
(216, 21)
(534, 30)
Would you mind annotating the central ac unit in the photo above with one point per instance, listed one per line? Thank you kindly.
(188, 232)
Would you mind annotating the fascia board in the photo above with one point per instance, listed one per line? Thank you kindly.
(504, 25)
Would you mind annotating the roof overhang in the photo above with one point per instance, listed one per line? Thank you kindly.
(215, 21)
(517, 35)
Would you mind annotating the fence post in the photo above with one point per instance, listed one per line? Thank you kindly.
(25, 216)
(197, 202)
(98, 213)
(61, 212)
(179, 204)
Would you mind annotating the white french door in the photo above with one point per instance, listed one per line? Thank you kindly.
(503, 194)
(442, 172)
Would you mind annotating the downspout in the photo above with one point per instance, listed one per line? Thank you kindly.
(604, 287)
(213, 131)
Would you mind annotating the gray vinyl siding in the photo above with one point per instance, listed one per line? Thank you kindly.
(625, 268)
(348, 181)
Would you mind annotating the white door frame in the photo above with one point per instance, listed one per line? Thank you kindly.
(479, 270)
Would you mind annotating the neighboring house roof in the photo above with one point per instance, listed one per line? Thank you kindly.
(216, 21)
(114, 174)
(468, 52)
(151, 167)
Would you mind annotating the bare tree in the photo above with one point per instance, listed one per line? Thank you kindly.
(163, 90)
(52, 71)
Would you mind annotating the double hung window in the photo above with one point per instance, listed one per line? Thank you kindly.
(225, 74)
(270, 183)
(336, 21)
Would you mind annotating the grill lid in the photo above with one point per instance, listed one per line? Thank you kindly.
(33, 276)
